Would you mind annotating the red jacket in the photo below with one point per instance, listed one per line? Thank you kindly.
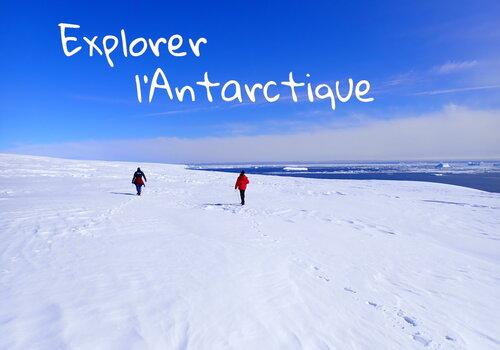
(242, 182)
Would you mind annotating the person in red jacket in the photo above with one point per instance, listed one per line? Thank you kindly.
(138, 181)
(241, 184)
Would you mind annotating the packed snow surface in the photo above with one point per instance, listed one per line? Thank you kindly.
(306, 264)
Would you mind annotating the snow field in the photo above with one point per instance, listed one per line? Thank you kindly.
(306, 264)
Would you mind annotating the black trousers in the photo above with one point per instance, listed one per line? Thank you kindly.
(242, 195)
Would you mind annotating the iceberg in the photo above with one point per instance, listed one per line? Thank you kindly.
(291, 168)
(443, 166)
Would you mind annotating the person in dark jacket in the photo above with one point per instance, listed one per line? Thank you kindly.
(241, 184)
(138, 181)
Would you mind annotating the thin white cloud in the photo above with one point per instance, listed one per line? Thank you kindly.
(406, 78)
(178, 111)
(432, 76)
(450, 91)
(454, 66)
(301, 98)
(451, 133)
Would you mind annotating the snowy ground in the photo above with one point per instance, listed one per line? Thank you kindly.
(307, 264)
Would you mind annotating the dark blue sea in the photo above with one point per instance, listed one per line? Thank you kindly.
(479, 175)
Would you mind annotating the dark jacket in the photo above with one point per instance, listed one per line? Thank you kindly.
(137, 179)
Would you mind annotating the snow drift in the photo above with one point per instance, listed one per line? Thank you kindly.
(307, 264)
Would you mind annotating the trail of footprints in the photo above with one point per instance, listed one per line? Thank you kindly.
(400, 319)
(293, 216)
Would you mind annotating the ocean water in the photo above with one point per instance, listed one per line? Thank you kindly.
(479, 175)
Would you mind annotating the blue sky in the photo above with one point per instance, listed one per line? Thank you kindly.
(423, 60)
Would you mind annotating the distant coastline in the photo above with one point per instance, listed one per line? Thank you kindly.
(481, 175)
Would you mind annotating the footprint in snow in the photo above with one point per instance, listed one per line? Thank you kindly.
(325, 278)
(410, 320)
(357, 226)
(421, 339)
(386, 231)
(407, 319)
(382, 229)
(347, 289)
